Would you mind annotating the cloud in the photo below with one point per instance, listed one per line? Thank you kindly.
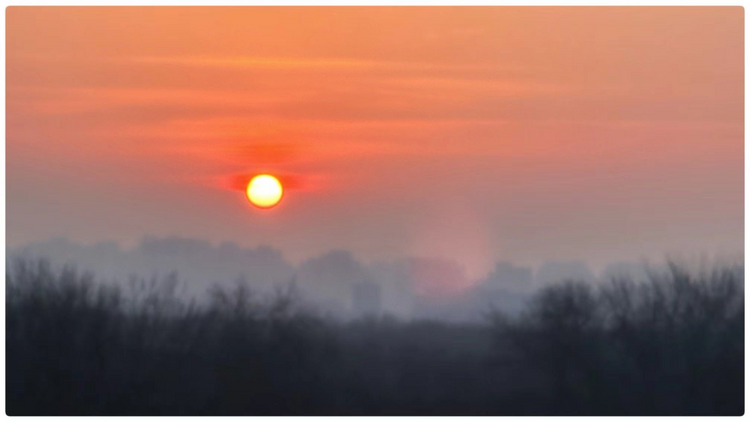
(305, 63)
(290, 181)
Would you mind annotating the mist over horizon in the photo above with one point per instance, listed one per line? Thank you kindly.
(336, 282)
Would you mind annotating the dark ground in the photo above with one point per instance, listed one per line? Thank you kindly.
(669, 345)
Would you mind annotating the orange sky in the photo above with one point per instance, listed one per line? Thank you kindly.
(473, 133)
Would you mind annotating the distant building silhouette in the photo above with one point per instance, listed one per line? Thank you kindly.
(328, 280)
(366, 298)
(555, 271)
(509, 276)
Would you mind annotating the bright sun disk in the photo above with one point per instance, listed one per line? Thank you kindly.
(264, 191)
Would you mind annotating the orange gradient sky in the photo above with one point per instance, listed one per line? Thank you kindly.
(471, 133)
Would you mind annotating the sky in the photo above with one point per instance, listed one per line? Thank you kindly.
(478, 134)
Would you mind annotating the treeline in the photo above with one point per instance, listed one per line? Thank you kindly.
(671, 344)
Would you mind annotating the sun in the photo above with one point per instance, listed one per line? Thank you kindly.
(264, 191)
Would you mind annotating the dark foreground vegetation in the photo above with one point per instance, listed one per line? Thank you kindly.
(669, 345)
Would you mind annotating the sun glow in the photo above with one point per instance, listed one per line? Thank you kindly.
(264, 191)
